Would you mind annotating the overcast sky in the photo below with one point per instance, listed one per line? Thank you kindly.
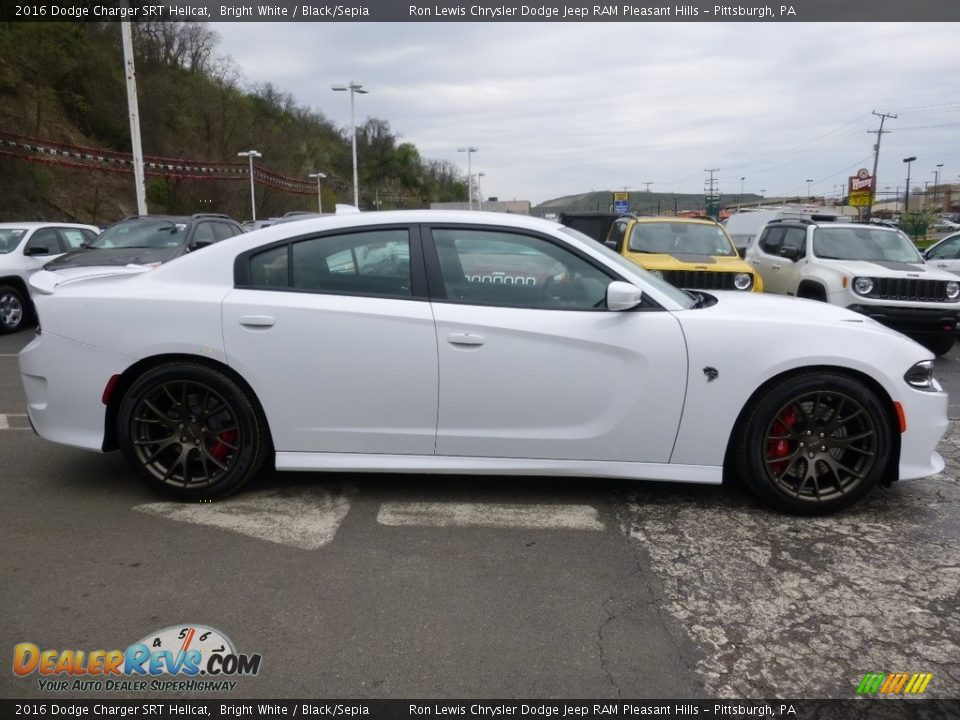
(563, 108)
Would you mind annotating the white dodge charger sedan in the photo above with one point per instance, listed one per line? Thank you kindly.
(451, 342)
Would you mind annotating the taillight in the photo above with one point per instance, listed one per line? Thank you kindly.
(108, 390)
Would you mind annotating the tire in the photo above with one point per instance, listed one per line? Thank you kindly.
(851, 433)
(14, 311)
(938, 344)
(191, 432)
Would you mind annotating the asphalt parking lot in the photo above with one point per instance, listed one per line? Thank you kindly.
(413, 586)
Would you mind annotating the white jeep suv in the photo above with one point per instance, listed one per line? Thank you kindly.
(870, 269)
(24, 248)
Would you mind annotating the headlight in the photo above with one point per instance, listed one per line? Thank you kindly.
(953, 290)
(920, 375)
(742, 281)
(863, 286)
(656, 273)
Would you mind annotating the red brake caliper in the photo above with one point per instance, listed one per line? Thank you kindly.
(220, 451)
(780, 448)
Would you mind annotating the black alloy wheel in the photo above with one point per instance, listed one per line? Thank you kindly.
(190, 432)
(815, 443)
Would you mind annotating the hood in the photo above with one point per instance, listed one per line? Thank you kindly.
(785, 310)
(887, 269)
(686, 261)
(113, 257)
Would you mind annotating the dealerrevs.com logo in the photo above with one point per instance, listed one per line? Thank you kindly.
(191, 657)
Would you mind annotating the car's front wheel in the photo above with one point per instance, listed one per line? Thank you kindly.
(814, 443)
(190, 431)
(13, 310)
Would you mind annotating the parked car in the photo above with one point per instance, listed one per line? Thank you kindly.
(24, 248)
(359, 343)
(873, 270)
(945, 254)
(686, 252)
(150, 240)
(944, 225)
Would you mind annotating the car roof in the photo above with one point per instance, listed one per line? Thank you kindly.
(669, 219)
(31, 225)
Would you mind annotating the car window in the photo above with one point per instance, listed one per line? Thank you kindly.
(617, 232)
(9, 239)
(43, 242)
(680, 237)
(796, 238)
(864, 243)
(142, 234)
(203, 235)
(947, 250)
(489, 267)
(222, 231)
(73, 238)
(772, 240)
(375, 262)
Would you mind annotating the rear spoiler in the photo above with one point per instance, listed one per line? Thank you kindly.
(46, 282)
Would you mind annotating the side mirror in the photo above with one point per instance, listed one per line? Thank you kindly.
(623, 296)
(790, 253)
(926, 254)
(200, 244)
(38, 250)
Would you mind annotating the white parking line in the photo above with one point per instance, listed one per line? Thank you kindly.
(493, 515)
(303, 518)
(5, 421)
(9, 354)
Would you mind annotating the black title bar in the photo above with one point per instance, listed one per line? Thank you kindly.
(888, 709)
(756, 11)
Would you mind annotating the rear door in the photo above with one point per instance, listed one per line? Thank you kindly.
(335, 334)
(533, 365)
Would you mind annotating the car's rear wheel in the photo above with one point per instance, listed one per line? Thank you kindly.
(190, 431)
(13, 310)
(814, 444)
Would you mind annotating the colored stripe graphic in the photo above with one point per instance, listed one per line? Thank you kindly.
(894, 683)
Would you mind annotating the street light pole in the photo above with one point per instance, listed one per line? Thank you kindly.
(250, 155)
(469, 151)
(809, 196)
(906, 196)
(354, 88)
(740, 199)
(936, 186)
(319, 176)
(480, 192)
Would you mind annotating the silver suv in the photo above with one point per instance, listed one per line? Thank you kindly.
(872, 270)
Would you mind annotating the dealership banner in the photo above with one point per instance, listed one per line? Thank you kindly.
(485, 709)
(483, 11)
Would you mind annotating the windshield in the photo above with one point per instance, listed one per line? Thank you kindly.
(684, 299)
(154, 234)
(684, 238)
(864, 243)
(9, 239)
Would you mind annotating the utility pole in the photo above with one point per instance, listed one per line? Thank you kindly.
(712, 196)
(133, 111)
(876, 153)
(648, 184)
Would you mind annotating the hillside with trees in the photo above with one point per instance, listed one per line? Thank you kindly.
(63, 83)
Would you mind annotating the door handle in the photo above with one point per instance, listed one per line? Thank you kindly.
(256, 321)
(465, 339)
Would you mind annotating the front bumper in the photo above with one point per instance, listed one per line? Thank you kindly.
(912, 320)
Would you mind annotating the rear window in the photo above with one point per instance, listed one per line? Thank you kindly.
(158, 234)
(9, 239)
